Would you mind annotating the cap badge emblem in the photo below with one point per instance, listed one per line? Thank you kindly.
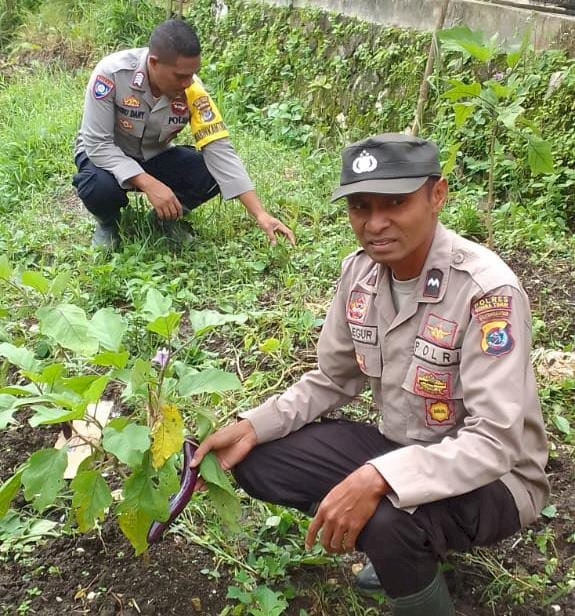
(364, 163)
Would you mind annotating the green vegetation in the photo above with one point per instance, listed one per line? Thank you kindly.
(294, 85)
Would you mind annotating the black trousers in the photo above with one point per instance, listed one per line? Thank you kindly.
(182, 168)
(300, 469)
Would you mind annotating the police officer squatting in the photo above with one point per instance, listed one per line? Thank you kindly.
(137, 101)
(439, 328)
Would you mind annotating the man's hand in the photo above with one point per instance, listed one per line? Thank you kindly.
(162, 198)
(346, 509)
(268, 223)
(272, 225)
(230, 444)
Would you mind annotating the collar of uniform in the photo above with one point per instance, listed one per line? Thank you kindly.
(435, 273)
(140, 80)
(370, 281)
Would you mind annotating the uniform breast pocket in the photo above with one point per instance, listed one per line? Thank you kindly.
(130, 127)
(173, 127)
(368, 359)
(435, 400)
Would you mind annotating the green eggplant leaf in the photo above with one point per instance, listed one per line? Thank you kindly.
(43, 477)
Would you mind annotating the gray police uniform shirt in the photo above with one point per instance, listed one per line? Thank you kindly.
(123, 125)
(450, 374)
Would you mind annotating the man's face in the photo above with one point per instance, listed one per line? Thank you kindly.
(397, 230)
(172, 79)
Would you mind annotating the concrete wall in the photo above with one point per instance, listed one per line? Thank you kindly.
(508, 19)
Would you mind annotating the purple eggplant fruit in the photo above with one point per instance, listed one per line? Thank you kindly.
(180, 500)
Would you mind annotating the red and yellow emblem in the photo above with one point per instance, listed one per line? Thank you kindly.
(130, 101)
(432, 384)
(357, 307)
(439, 413)
(125, 124)
(439, 331)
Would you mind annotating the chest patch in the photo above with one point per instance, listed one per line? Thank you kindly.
(179, 107)
(432, 384)
(125, 124)
(357, 307)
(439, 413)
(366, 334)
(435, 354)
(439, 331)
(130, 101)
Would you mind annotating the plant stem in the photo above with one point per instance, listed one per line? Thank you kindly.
(490, 182)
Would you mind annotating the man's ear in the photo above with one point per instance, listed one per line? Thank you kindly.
(439, 194)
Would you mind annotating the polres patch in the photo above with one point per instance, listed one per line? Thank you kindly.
(433, 280)
(492, 307)
(357, 307)
(202, 104)
(439, 413)
(497, 339)
(102, 87)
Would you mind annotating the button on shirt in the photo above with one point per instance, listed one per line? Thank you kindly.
(124, 125)
(450, 375)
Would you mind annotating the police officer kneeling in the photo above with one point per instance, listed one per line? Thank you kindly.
(440, 329)
(136, 102)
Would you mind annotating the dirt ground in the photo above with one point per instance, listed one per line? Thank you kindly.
(98, 574)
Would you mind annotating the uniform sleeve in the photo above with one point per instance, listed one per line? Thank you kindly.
(498, 386)
(98, 129)
(336, 381)
(226, 168)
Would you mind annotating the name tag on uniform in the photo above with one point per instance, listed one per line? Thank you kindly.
(366, 334)
(434, 354)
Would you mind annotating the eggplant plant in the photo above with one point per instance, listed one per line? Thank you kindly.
(138, 450)
(496, 101)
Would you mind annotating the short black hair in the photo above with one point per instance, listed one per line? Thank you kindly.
(173, 38)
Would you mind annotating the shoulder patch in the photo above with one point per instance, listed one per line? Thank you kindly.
(102, 87)
(491, 307)
(497, 339)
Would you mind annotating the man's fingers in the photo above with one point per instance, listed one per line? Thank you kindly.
(201, 451)
(288, 233)
(350, 540)
(271, 235)
(200, 486)
(179, 207)
(312, 533)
